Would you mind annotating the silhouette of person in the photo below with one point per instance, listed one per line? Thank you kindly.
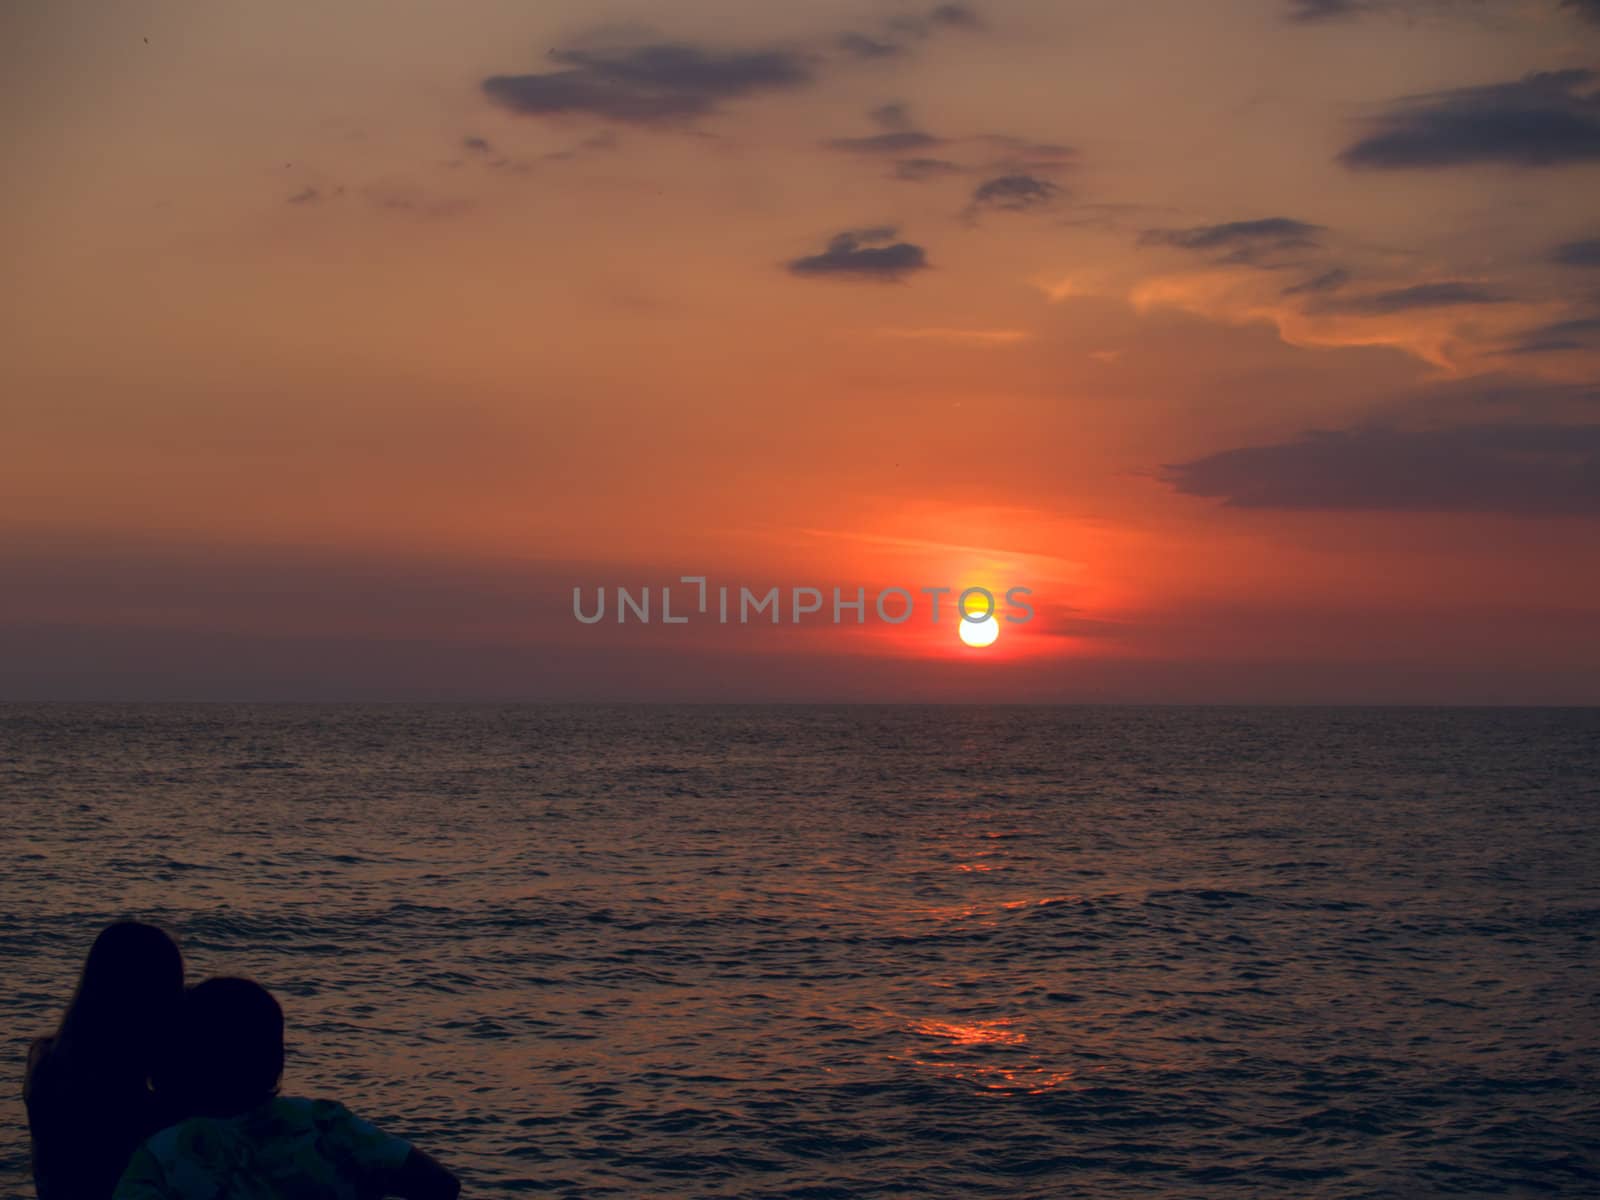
(88, 1089)
(243, 1141)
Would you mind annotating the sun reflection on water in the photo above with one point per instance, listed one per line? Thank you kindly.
(991, 1056)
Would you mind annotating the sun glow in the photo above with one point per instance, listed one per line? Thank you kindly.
(980, 633)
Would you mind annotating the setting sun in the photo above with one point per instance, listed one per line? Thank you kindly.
(980, 633)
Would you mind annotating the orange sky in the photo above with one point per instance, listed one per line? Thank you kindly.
(344, 340)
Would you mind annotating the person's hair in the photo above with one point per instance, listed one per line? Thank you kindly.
(230, 1047)
(125, 1002)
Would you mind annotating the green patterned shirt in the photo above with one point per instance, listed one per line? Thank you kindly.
(286, 1149)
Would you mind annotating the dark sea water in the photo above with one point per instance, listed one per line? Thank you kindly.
(879, 952)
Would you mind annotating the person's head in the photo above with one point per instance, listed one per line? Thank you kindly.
(127, 996)
(229, 1053)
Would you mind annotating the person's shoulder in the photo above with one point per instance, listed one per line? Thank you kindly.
(167, 1143)
(306, 1111)
(357, 1137)
(286, 1113)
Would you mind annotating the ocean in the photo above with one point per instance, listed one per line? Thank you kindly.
(818, 952)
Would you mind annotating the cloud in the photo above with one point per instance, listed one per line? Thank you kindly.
(891, 116)
(400, 198)
(1548, 346)
(308, 195)
(1445, 294)
(901, 136)
(956, 17)
(900, 141)
(1449, 326)
(477, 145)
(1545, 119)
(1328, 281)
(1024, 154)
(1580, 333)
(654, 83)
(892, 41)
(1016, 186)
(1515, 470)
(1324, 10)
(920, 169)
(1316, 11)
(1242, 241)
(1013, 193)
(1585, 253)
(989, 338)
(862, 46)
(864, 254)
(1497, 398)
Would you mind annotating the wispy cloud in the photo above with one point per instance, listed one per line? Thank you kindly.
(1324, 10)
(1444, 294)
(964, 337)
(1514, 470)
(864, 254)
(653, 83)
(1585, 253)
(1545, 119)
(895, 142)
(1576, 334)
(1013, 193)
(1328, 281)
(920, 170)
(1249, 237)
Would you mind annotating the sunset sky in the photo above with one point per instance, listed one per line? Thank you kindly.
(1258, 338)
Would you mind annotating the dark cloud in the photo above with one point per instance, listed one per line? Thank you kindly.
(1017, 168)
(891, 116)
(1328, 281)
(1445, 294)
(862, 46)
(1013, 193)
(1580, 333)
(946, 16)
(900, 141)
(595, 143)
(898, 35)
(1585, 253)
(403, 199)
(1314, 11)
(647, 84)
(864, 254)
(1549, 346)
(1324, 10)
(1545, 119)
(919, 170)
(1500, 399)
(1518, 470)
(1024, 154)
(1240, 241)
(956, 16)
(477, 145)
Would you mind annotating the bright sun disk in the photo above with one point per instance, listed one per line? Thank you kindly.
(980, 633)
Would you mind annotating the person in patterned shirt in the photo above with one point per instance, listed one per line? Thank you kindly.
(244, 1141)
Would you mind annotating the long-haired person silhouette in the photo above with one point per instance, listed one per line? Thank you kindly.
(88, 1089)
